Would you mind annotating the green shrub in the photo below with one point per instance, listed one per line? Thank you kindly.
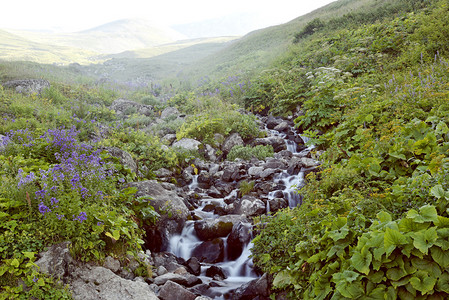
(246, 187)
(247, 152)
(203, 127)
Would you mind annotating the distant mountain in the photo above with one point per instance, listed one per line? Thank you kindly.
(114, 37)
(15, 47)
(230, 25)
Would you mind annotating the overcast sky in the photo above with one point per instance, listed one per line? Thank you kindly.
(78, 15)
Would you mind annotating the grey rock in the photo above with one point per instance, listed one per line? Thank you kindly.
(160, 280)
(250, 206)
(208, 229)
(250, 290)
(111, 264)
(218, 138)
(28, 86)
(272, 122)
(277, 204)
(274, 163)
(216, 273)
(162, 172)
(309, 162)
(163, 200)
(172, 291)
(169, 111)
(238, 238)
(283, 126)
(231, 141)
(210, 153)
(161, 270)
(194, 266)
(127, 107)
(187, 144)
(203, 298)
(267, 173)
(171, 208)
(255, 171)
(92, 283)
(169, 138)
(56, 260)
(124, 157)
(210, 251)
(276, 142)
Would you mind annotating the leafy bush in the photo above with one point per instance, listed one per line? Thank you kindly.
(309, 29)
(203, 127)
(247, 152)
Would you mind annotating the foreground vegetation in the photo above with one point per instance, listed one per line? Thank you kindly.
(374, 221)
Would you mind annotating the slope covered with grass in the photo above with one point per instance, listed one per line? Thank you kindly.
(374, 222)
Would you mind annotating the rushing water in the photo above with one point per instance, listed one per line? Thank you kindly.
(239, 271)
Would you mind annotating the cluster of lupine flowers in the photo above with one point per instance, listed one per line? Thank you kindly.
(78, 169)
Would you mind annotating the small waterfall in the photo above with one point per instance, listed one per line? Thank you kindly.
(242, 267)
(183, 244)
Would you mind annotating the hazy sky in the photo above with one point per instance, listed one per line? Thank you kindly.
(74, 15)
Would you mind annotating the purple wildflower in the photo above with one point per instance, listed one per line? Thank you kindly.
(81, 217)
(43, 209)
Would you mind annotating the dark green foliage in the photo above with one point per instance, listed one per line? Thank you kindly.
(247, 152)
(374, 220)
(309, 29)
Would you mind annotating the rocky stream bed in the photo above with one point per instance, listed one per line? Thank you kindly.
(200, 247)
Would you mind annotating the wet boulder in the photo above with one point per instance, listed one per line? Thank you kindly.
(171, 208)
(216, 273)
(240, 236)
(276, 142)
(210, 251)
(251, 290)
(277, 203)
(249, 206)
(193, 266)
(272, 122)
(171, 290)
(208, 229)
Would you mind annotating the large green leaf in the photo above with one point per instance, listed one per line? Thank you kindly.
(282, 279)
(376, 277)
(423, 282)
(396, 274)
(392, 239)
(377, 293)
(384, 217)
(427, 213)
(428, 265)
(440, 256)
(339, 233)
(361, 261)
(424, 239)
(443, 283)
(438, 192)
(409, 225)
(347, 284)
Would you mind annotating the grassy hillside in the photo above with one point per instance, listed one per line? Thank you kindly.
(17, 48)
(374, 100)
(258, 49)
